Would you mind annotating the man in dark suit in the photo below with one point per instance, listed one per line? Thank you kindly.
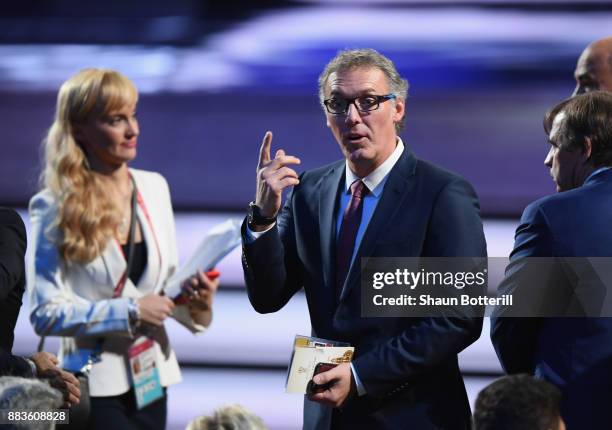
(379, 201)
(571, 352)
(12, 286)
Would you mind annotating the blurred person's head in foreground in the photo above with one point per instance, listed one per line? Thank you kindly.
(232, 417)
(25, 394)
(518, 402)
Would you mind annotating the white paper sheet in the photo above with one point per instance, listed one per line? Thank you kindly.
(215, 245)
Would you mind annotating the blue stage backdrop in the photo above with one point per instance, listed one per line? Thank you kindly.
(481, 79)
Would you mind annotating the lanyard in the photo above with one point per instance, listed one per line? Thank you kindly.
(137, 200)
(142, 205)
(131, 238)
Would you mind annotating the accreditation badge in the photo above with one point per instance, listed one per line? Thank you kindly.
(145, 374)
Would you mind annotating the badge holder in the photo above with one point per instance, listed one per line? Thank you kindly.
(147, 385)
(145, 375)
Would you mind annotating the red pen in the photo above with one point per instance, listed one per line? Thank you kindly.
(213, 274)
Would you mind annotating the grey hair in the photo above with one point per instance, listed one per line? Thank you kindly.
(366, 58)
(29, 394)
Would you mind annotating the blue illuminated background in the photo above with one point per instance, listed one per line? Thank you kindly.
(215, 76)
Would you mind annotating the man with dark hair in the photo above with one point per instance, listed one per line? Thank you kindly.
(518, 402)
(378, 201)
(594, 68)
(573, 353)
(581, 126)
(12, 286)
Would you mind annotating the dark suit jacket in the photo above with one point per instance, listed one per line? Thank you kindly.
(573, 353)
(408, 366)
(12, 286)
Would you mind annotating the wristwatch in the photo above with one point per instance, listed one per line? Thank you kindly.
(133, 313)
(254, 216)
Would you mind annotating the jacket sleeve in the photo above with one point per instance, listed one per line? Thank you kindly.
(55, 308)
(12, 251)
(12, 365)
(272, 271)
(455, 230)
(515, 338)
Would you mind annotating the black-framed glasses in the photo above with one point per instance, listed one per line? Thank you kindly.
(339, 105)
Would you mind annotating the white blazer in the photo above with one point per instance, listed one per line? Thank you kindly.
(76, 301)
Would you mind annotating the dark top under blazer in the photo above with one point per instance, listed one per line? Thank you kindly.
(12, 287)
(573, 353)
(408, 366)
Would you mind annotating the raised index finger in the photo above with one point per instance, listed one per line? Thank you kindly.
(264, 151)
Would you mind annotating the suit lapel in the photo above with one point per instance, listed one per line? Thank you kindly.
(146, 213)
(114, 262)
(331, 185)
(399, 188)
(152, 271)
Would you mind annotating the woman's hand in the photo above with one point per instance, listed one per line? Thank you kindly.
(154, 309)
(200, 290)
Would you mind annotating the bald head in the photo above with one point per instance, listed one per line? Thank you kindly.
(594, 68)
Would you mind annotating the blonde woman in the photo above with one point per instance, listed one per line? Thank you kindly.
(92, 217)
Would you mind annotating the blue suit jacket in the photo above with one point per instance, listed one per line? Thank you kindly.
(408, 366)
(573, 353)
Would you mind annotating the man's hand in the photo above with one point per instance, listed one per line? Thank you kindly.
(342, 386)
(273, 176)
(44, 361)
(200, 290)
(65, 382)
(46, 368)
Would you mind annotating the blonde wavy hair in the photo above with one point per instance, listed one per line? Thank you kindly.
(86, 217)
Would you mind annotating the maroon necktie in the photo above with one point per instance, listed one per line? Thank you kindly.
(348, 232)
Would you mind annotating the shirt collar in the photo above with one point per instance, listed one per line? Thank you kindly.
(375, 181)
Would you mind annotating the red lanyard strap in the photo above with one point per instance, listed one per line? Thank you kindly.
(131, 238)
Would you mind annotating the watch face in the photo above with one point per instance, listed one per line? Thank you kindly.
(254, 216)
(250, 217)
